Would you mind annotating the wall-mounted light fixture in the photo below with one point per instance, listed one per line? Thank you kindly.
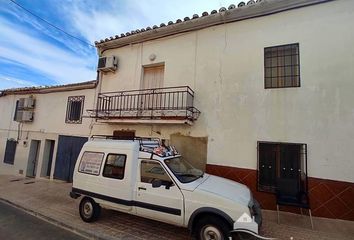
(152, 57)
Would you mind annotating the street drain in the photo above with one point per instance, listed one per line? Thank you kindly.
(28, 182)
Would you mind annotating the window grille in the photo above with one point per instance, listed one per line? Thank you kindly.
(282, 66)
(281, 161)
(74, 109)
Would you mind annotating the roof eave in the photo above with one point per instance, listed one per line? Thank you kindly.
(43, 90)
(263, 8)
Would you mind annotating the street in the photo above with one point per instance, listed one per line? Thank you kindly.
(15, 224)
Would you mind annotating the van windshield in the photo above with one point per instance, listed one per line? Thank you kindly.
(183, 170)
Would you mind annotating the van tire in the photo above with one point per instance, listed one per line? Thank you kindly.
(212, 226)
(89, 210)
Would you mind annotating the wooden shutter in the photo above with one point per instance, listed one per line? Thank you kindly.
(10, 152)
(268, 158)
(153, 77)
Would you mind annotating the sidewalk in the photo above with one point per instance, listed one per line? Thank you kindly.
(50, 200)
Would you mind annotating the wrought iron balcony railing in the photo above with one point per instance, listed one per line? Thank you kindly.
(174, 103)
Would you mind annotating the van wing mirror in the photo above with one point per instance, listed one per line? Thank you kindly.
(156, 183)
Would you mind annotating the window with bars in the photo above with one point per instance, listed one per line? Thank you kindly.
(281, 161)
(75, 109)
(282, 66)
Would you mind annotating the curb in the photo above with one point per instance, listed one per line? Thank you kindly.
(86, 234)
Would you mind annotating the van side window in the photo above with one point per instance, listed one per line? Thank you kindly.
(115, 166)
(153, 171)
(91, 163)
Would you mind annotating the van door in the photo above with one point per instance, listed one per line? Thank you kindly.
(164, 200)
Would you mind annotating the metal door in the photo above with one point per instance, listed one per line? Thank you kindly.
(268, 159)
(69, 148)
(33, 158)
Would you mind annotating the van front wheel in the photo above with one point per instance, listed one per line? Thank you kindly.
(89, 210)
(213, 228)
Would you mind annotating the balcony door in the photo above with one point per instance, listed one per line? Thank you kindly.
(150, 100)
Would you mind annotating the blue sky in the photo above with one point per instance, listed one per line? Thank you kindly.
(34, 54)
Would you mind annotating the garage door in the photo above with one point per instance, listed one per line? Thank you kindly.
(69, 148)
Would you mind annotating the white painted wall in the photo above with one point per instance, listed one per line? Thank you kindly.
(49, 123)
(224, 66)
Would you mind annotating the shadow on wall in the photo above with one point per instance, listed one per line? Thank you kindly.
(193, 149)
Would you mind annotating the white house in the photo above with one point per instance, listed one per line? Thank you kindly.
(37, 122)
(257, 93)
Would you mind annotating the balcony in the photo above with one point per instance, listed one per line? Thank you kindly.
(172, 105)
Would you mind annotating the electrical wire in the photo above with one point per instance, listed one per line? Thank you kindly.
(50, 24)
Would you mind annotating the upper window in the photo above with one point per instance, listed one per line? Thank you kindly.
(282, 66)
(115, 166)
(281, 161)
(75, 109)
(16, 111)
(91, 163)
(153, 77)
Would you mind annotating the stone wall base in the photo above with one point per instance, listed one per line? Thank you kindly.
(328, 198)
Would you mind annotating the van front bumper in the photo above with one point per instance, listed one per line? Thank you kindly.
(256, 211)
(251, 221)
(246, 227)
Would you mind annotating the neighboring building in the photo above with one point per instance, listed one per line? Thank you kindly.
(42, 129)
(266, 94)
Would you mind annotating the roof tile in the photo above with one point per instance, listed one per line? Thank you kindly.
(232, 7)
(222, 9)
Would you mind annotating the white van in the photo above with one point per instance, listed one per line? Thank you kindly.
(146, 178)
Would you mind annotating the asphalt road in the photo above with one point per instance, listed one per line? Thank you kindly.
(16, 224)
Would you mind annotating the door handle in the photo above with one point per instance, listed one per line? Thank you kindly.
(141, 188)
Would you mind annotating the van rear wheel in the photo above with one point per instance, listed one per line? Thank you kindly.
(89, 210)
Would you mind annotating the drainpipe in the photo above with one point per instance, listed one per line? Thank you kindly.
(97, 91)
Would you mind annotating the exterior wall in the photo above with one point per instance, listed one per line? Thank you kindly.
(224, 65)
(328, 198)
(48, 124)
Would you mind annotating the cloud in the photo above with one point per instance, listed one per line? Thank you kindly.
(63, 66)
(45, 53)
(103, 19)
(53, 13)
(15, 82)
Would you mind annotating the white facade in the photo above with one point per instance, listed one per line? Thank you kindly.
(48, 124)
(224, 65)
(222, 60)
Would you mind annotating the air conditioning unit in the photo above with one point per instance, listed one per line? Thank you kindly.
(24, 116)
(26, 103)
(21, 103)
(29, 103)
(107, 64)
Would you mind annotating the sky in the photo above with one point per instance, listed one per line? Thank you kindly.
(32, 53)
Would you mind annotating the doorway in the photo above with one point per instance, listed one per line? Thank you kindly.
(150, 100)
(47, 158)
(69, 148)
(33, 158)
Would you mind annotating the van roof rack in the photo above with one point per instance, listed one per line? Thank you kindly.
(154, 146)
(124, 138)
